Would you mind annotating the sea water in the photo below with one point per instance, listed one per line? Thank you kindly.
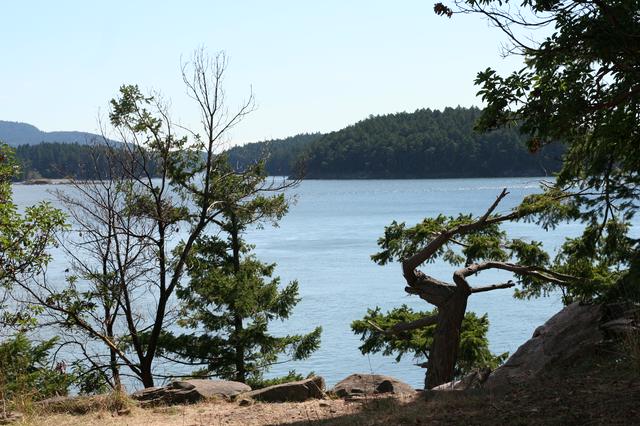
(326, 240)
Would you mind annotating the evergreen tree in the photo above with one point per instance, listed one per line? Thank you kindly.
(25, 367)
(232, 296)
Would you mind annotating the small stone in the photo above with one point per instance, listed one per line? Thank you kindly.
(245, 402)
(124, 412)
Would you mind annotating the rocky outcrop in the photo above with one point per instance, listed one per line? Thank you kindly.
(572, 332)
(189, 392)
(369, 384)
(302, 390)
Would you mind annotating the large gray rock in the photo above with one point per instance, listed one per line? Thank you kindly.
(302, 390)
(189, 391)
(473, 380)
(369, 384)
(214, 388)
(573, 331)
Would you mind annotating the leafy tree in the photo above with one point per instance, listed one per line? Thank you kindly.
(386, 333)
(232, 296)
(580, 86)
(24, 238)
(25, 370)
(162, 184)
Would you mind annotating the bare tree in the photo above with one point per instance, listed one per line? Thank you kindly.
(135, 228)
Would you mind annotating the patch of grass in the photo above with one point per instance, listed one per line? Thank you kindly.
(114, 402)
(630, 344)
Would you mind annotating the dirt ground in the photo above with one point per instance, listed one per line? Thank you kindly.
(597, 392)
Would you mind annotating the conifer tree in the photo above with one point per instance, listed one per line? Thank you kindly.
(232, 296)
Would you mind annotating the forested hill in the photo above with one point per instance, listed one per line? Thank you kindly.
(280, 154)
(16, 133)
(61, 160)
(423, 144)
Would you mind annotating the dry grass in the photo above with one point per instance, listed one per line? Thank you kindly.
(595, 391)
(207, 413)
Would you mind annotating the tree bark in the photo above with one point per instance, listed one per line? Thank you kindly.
(451, 300)
(145, 374)
(446, 339)
(237, 321)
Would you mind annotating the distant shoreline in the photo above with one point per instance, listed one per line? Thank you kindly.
(67, 181)
(45, 181)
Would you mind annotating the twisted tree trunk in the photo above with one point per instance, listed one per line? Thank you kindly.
(451, 299)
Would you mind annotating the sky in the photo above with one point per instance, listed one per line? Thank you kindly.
(313, 66)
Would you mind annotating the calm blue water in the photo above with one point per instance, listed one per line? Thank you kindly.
(325, 242)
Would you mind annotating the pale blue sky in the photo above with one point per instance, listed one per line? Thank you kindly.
(313, 66)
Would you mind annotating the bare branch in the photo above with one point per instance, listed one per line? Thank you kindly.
(508, 284)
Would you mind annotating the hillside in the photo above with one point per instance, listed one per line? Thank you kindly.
(60, 160)
(280, 155)
(423, 144)
(15, 134)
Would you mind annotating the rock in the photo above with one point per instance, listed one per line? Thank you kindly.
(79, 404)
(302, 390)
(244, 401)
(369, 384)
(473, 380)
(189, 391)
(573, 331)
(57, 401)
(214, 388)
(124, 412)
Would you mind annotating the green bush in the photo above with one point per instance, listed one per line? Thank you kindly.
(26, 373)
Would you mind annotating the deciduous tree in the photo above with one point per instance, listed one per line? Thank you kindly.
(135, 229)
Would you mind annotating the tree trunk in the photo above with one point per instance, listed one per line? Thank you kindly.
(237, 320)
(240, 370)
(145, 374)
(446, 339)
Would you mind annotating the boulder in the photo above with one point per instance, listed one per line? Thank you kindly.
(369, 384)
(302, 390)
(189, 392)
(78, 404)
(214, 388)
(473, 380)
(572, 332)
